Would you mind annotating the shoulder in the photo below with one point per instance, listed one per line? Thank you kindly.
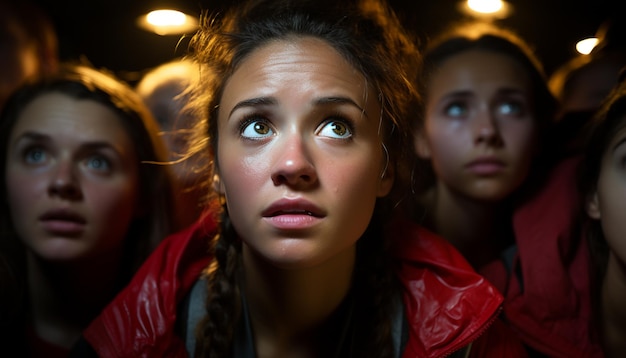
(141, 319)
(441, 292)
(414, 245)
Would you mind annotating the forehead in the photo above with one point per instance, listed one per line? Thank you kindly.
(474, 68)
(296, 59)
(60, 114)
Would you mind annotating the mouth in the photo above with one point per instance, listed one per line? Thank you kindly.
(62, 215)
(63, 222)
(291, 212)
(293, 207)
(486, 166)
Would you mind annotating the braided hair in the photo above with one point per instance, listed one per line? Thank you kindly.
(369, 36)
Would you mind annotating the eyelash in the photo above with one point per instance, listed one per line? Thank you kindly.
(338, 117)
(251, 118)
(28, 150)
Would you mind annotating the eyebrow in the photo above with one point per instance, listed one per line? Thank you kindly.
(266, 101)
(339, 100)
(254, 102)
(34, 136)
(511, 90)
(501, 91)
(458, 93)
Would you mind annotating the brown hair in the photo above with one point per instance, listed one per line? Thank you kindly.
(370, 37)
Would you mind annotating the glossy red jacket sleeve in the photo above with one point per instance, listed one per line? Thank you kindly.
(448, 305)
(140, 321)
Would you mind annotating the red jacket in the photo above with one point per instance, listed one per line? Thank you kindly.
(547, 296)
(448, 306)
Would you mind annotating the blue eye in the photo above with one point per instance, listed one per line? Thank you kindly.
(98, 162)
(35, 155)
(510, 108)
(256, 129)
(456, 109)
(335, 129)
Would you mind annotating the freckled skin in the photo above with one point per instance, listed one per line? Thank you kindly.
(105, 195)
(302, 158)
(495, 120)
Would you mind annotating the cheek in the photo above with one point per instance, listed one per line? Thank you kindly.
(521, 136)
(23, 192)
(113, 205)
(446, 150)
(355, 185)
(354, 190)
(612, 200)
(523, 141)
(242, 177)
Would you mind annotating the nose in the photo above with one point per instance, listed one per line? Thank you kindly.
(293, 166)
(486, 130)
(64, 183)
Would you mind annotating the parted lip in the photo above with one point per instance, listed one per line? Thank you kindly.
(485, 160)
(293, 207)
(62, 214)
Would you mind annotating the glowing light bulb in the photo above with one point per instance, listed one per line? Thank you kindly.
(587, 45)
(485, 6)
(165, 18)
(486, 9)
(167, 22)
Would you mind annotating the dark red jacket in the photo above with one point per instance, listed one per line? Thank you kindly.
(448, 305)
(547, 290)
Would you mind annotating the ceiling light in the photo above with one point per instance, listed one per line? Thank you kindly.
(486, 8)
(587, 45)
(168, 22)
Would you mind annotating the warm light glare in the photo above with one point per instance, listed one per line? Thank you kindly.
(165, 18)
(586, 46)
(168, 22)
(486, 9)
(485, 6)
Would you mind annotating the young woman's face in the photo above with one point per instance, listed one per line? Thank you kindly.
(608, 203)
(299, 155)
(72, 178)
(479, 132)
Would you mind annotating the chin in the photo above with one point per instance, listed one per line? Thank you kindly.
(61, 251)
(292, 257)
(294, 262)
(493, 196)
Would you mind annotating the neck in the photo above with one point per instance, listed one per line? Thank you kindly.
(288, 308)
(478, 229)
(65, 297)
(613, 307)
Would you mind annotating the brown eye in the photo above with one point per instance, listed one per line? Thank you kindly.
(256, 130)
(335, 129)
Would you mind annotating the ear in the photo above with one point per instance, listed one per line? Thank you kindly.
(421, 145)
(593, 206)
(386, 182)
(218, 186)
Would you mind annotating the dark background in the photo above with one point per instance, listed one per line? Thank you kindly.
(104, 31)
